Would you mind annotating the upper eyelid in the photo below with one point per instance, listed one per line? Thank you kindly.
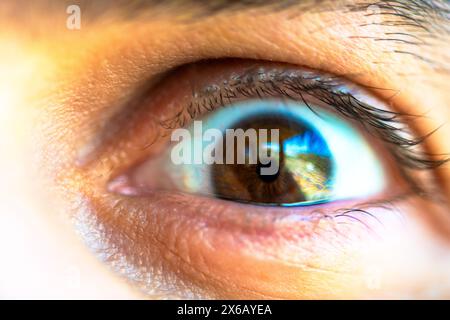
(258, 77)
(390, 126)
(255, 82)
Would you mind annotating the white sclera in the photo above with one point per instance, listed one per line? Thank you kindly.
(358, 173)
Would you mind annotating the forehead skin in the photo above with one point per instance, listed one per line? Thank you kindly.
(61, 83)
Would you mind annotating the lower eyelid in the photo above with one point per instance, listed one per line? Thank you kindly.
(199, 242)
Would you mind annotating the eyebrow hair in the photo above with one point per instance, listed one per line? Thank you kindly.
(413, 23)
(431, 16)
(407, 9)
(422, 18)
(407, 23)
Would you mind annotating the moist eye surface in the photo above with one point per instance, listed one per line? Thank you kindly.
(320, 157)
(304, 172)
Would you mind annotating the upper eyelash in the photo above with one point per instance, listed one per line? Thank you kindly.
(259, 83)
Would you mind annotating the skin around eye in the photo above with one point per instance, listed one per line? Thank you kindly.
(341, 237)
(64, 87)
(320, 158)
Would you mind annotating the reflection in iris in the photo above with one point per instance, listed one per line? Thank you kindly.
(305, 165)
(308, 159)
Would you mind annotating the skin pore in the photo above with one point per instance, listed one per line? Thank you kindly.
(62, 87)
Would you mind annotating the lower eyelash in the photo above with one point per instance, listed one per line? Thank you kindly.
(367, 214)
(365, 208)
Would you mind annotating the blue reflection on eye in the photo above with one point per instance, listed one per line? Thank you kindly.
(307, 142)
(329, 160)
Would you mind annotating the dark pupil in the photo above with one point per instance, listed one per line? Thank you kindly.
(305, 166)
(265, 177)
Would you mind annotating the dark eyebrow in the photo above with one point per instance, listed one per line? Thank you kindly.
(415, 11)
(406, 23)
(425, 15)
(422, 16)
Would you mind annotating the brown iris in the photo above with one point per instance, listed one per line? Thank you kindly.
(303, 174)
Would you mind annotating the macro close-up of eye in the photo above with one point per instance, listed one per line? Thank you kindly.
(225, 150)
(252, 145)
(308, 158)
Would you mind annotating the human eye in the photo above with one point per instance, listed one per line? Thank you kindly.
(343, 160)
(287, 149)
(316, 156)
